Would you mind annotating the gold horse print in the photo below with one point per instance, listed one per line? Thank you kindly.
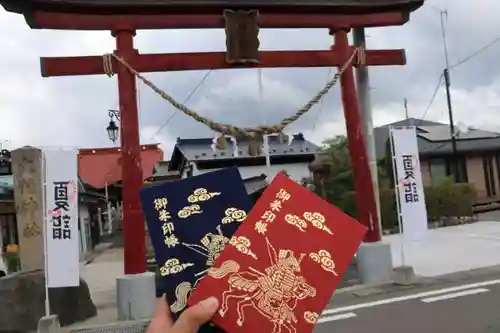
(181, 294)
(211, 245)
(273, 293)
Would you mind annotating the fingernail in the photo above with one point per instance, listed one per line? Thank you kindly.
(210, 304)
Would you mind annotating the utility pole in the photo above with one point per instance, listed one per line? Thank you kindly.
(363, 90)
(446, 74)
(406, 109)
(374, 260)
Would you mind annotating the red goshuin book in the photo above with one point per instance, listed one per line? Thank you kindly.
(281, 267)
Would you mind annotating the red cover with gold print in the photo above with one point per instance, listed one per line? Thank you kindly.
(282, 265)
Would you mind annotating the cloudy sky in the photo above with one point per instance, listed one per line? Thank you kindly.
(72, 111)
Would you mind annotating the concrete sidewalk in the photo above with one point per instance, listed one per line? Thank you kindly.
(98, 250)
(451, 249)
(101, 275)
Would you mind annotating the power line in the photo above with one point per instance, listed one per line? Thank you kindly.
(440, 80)
(203, 79)
(444, 15)
(474, 54)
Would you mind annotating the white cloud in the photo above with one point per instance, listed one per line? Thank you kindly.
(150, 135)
(479, 107)
(73, 110)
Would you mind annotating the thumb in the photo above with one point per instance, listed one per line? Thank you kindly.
(195, 316)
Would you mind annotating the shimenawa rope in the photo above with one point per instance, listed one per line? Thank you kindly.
(255, 133)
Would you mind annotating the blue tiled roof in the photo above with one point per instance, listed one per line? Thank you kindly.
(434, 138)
(200, 149)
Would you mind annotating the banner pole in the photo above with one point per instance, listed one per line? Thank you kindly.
(267, 150)
(396, 191)
(45, 233)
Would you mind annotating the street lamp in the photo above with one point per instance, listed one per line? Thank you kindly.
(5, 162)
(112, 129)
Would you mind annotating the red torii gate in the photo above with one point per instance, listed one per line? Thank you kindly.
(124, 18)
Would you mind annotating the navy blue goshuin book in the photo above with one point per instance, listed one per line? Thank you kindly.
(190, 221)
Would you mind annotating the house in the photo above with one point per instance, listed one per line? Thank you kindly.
(478, 154)
(161, 173)
(90, 201)
(254, 185)
(195, 156)
(97, 168)
(100, 168)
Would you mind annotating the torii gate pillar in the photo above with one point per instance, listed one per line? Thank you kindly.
(133, 218)
(135, 291)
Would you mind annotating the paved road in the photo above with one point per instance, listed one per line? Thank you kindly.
(472, 307)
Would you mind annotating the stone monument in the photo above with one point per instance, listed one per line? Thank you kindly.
(28, 197)
(22, 295)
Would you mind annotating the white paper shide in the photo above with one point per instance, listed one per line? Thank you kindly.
(61, 217)
(408, 182)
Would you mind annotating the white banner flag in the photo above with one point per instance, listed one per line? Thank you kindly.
(408, 182)
(61, 218)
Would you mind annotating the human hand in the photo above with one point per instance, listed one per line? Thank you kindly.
(189, 321)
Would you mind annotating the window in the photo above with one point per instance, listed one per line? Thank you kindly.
(438, 170)
(444, 167)
(489, 178)
(5, 169)
(6, 187)
(462, 169)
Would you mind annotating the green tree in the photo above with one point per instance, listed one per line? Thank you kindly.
(385, 168)
(336, 172)
(339, 176)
